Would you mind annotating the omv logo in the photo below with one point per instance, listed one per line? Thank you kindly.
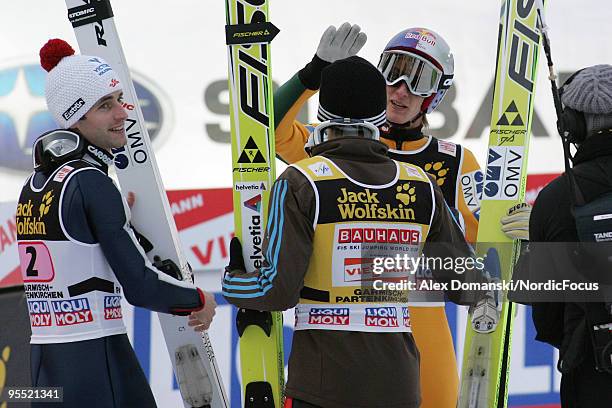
(24, 115)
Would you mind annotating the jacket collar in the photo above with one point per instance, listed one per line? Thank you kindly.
(597, 145)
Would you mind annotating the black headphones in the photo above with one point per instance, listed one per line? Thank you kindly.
(571, 121)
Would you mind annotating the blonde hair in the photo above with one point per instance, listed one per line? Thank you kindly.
(424, 121)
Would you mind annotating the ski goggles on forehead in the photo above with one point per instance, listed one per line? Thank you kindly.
(420, 75)
(338, 128)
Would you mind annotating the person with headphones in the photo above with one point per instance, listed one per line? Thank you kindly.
(577, 207)
(78, 253)
(418, 67)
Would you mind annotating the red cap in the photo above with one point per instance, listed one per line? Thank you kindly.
(52, 53)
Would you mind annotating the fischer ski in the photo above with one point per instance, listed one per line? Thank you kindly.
(248, 34)
(486, 356)
(193, 360)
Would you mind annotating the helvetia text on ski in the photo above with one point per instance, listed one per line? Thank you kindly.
(248, 36)
(192, 357)
(486, 357)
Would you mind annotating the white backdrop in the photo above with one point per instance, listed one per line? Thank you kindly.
(179, 49)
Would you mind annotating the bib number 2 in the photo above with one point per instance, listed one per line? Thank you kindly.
(35, 261)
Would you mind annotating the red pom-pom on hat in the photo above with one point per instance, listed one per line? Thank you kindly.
(52, 53)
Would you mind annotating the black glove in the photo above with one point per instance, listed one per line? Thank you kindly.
(310, 75)
(236, 262)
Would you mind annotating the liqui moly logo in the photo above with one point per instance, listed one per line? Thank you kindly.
(40, 313)
(69, 312)
(112, 307)
(405, 317)
(378, 235)
(329, 316)
(381, 317)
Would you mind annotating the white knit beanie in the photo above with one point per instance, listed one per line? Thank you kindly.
(74, 82)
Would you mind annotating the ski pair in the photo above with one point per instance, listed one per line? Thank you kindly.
(248, 36)
(486, 356)
(192, 356)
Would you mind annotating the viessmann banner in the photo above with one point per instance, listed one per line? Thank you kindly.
(205, 222)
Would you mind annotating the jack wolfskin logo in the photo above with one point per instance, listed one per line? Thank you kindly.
(45, 203)
(437, 170)
(406, 194)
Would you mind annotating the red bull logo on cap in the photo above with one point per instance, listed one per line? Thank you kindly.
(422, 35)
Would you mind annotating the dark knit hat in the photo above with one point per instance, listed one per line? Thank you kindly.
(352, 88)
(590, 92)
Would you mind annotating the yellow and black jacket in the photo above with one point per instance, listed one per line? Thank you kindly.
(458, 175)
(306, 208)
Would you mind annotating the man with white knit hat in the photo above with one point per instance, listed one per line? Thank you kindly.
(558, 216)
(78, 84)
(77, 251)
